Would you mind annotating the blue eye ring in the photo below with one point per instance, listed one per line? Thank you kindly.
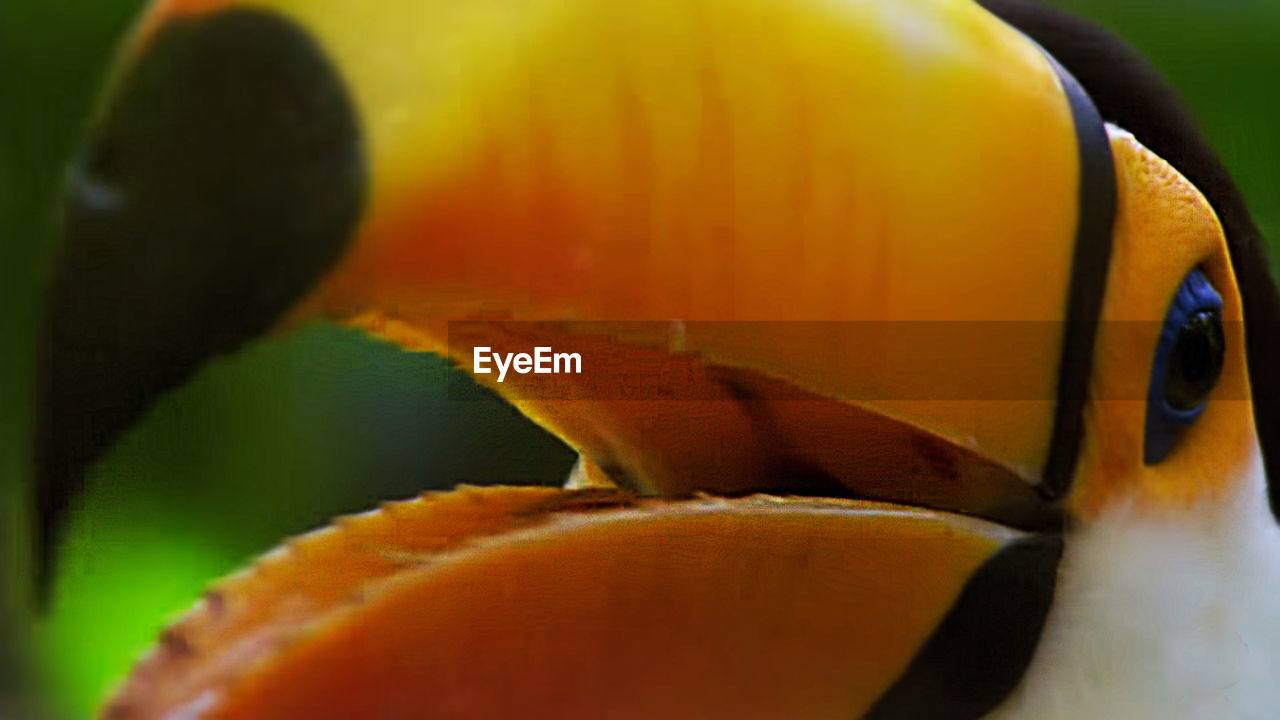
(1188, 361)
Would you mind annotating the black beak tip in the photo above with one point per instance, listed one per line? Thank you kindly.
(223, 177)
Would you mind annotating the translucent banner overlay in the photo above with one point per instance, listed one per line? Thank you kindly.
(852, 361)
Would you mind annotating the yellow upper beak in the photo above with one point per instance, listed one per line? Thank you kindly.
(879, 215)
(874, 250)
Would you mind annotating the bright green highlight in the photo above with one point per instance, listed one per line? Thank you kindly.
(118, 586)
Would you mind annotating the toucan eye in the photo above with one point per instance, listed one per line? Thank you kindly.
(1195, 362)
(1187, 364)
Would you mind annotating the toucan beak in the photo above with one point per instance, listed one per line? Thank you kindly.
(230, 177)
(538, 602)
(249, 162)
(175, 250)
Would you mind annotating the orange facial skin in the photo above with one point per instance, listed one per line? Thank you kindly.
(1164, 229)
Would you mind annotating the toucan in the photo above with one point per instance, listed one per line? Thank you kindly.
(927, 356)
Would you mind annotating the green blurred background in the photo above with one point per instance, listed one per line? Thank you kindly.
(278, 439)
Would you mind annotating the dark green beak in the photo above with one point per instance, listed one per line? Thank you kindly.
(223, 177)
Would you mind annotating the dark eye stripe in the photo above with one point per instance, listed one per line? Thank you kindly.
(1095, 221)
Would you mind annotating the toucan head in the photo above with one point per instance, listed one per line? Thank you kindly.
(880, 249)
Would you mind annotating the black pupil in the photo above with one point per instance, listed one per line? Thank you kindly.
(1196, 360)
